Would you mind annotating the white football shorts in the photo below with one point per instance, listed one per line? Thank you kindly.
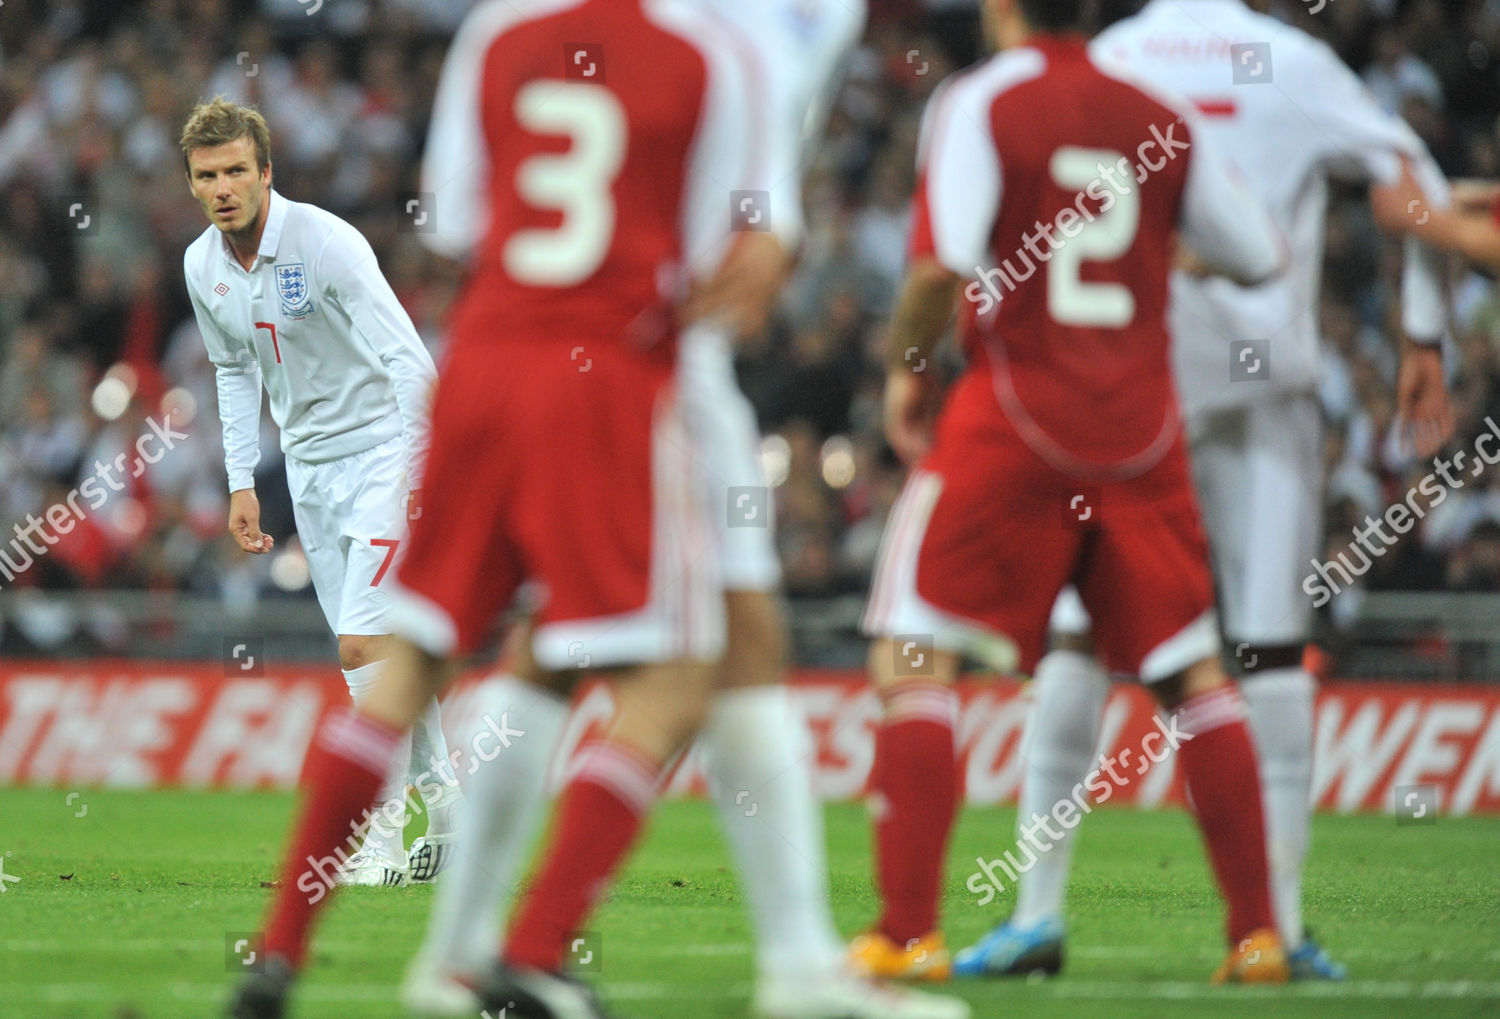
(351, 519)
(728, 439)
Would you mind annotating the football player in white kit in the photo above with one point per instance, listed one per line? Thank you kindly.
(753, 745)
(1291, 115)
(290, 295)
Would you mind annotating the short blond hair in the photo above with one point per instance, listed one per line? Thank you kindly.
(220, 121)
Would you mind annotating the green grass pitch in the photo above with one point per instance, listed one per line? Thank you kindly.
(126, 899)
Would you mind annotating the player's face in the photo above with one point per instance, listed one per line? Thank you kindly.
(227, 184)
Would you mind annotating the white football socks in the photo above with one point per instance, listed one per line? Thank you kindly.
(758, 755)
(431, 771)
(1069, 693)
(385, 837)
(1281, 720)
(503, 803)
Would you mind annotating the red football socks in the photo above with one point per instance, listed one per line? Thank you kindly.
(1218, 762)
(598, 820)
(915, 797)
(345, 768)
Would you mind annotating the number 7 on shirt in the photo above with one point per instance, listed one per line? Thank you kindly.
(274, 345)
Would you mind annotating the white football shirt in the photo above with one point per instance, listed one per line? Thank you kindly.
(797, 49)
(802, 46)
(1290, 115)
(315, 321)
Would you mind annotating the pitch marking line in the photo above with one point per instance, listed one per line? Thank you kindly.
(1086, 989)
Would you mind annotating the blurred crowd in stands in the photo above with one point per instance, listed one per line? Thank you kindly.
(97, 337)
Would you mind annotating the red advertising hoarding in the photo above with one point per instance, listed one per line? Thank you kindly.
(142, 725)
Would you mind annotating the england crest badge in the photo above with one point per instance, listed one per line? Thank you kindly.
(291, 284)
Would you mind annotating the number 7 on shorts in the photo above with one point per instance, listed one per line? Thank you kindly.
(389, 544)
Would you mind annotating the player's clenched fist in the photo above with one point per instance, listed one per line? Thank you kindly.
(244, 522)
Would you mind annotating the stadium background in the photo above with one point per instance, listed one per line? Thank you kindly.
(97, 339)
(143, 651)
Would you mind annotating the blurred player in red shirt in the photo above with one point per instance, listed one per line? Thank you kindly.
(1052, 194)
(590, 194)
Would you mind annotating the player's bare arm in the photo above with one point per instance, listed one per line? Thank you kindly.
(244, 522)
(743, 292)
(1467, 228)
(1472, 194)
(911, 387)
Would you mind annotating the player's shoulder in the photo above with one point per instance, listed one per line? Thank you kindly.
(969, 97)
(1166, 29)
(797, 24)
(974, 90)
(1126, 77)
(195, 257)
(991, 78)
(700, 25)
(846, 20)
(313, 231)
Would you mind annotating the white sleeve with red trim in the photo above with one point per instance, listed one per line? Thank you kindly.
(1223, 221)
(455, 164)
(960, 177)
(1357, 139)
(729, 151)
(1361, 141)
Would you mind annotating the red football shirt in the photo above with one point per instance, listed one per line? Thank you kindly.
(1057, 189)
(582, 158)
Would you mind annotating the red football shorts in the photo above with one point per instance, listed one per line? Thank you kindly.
(565, 468)
(986, 533)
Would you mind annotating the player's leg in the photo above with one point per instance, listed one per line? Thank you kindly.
(348, 761)
(1219, 767)
(365, 494)
(1068, 693)
(600, 812)
(371, 499)
(1147, 586)
(914, 800)
(972, 559)
(642, 595)
(758, 756)
(503, 807)
(1258, 472)
(754, 745)
(322, 511)
(381, 858)
(759, 759)
(431, 773)
(459, 572)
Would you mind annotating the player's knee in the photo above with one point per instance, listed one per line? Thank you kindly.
(1201, 677)
(895, 660)
(358, 650)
